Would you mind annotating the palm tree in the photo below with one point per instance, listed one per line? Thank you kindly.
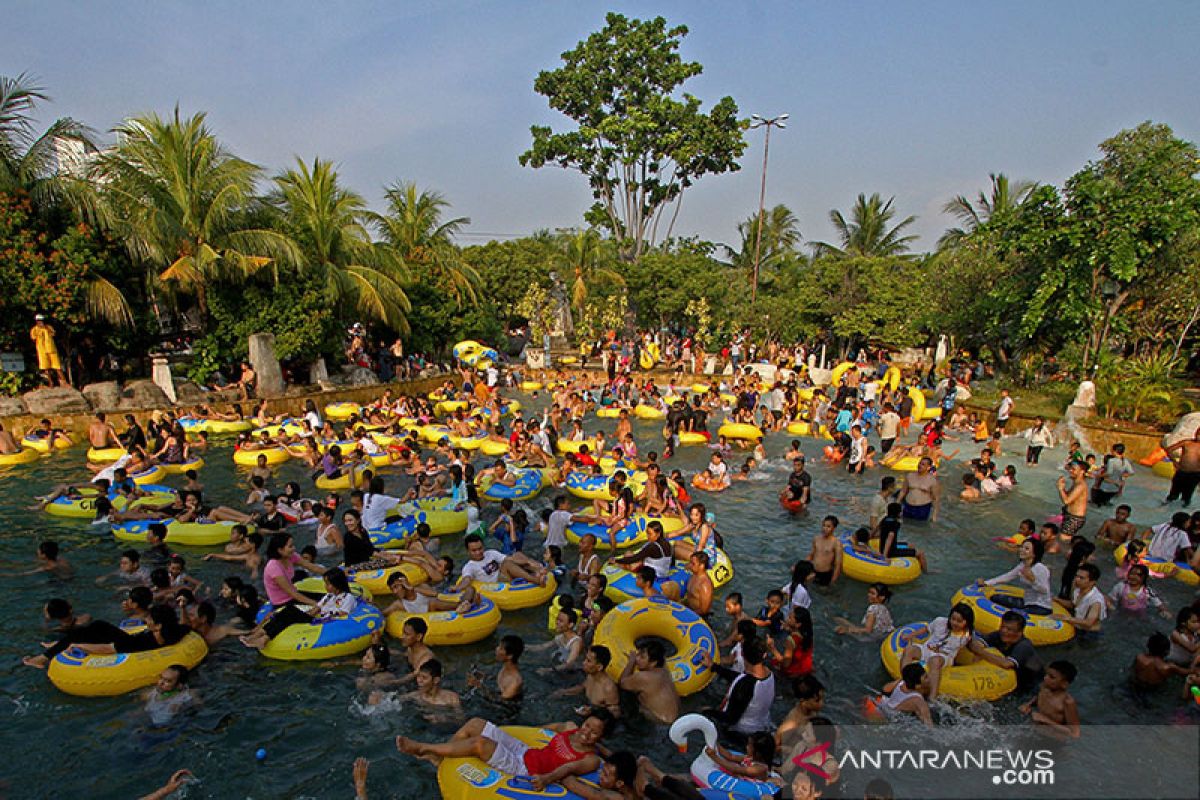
(180, 200)
(1004, 197)
(29, 165)
(584, 254)
(413, 225)
(780, 235)
(868, 234)
(329, 224)
(28, 160)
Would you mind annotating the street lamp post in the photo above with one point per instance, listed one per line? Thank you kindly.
(758, 122)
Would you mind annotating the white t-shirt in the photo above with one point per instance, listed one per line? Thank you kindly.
(336, 605)
(889, 425)
(375, 508)
(109, 472)
(801, 596)
(1005, 408)
(989, 486)
(369, 446)
(314, 419)
(556, 527)
(1084, 604)
(718, 469)
(1167, 539)
(870, 391)
(486, 569)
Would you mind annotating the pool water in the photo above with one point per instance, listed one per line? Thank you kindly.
(312, 723)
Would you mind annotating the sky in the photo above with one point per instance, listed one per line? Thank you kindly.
(917, 100)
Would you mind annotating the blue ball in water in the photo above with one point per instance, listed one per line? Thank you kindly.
(261, 754)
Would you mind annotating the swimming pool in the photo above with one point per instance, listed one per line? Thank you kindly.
(308, 717)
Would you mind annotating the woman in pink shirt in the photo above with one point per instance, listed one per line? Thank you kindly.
(277, 576)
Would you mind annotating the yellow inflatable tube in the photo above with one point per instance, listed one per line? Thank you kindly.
(609, 412)
(104, 455)
(839, 372)
(920, 411)
(572, 446)
(517, 594)
(739, 430)
(531, 386)
(1039, 628)
(643, 411)
(375, 581)
(244, 457)
(22, 456)
(690, 636)
(468, 778)
(968, 679)
(83, 675)
(451, 627)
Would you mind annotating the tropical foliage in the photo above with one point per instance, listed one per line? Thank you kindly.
(168, 224)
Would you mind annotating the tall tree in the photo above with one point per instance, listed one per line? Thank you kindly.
(28, 159)
(1003, 199)
(638, 146)
(1131, 209)
(329, 223)
(413, 225)
(179, 201)
(869, 232)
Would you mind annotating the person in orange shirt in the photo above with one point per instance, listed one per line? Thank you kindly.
(47, 351)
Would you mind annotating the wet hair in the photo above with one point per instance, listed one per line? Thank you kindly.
(49, 549)
(1064, 668)
(753, 651)
(513, 646)
(1091, 570)
(418, 625)
(912, 674)
(735, 597)
(602, 654)
(605, 716)
(655, 652)
(432, 668)
(207, 611)
(160, 578)
(57, 608)
(966, 612)
(181, 673)
(1184, 616)
(762, 744)
(625, 765)
(382, 654)
(472, 538)
(132, 555)
(807, 687)
(570, 613)
(882, 591)
(1158, 645)
(141, 596)
(646, 574)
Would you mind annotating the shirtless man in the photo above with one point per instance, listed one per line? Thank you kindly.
(429, 691)
(101, 434)
(510, 684)
(1186, 455)
(416, 652)
(826, 553)
(8, 445)
(699, 595)
(599, 689)
(1075, 501)
(645, 674)
(1118, 530)
(1054, 707)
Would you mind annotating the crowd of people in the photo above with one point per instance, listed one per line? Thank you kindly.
(767, 644)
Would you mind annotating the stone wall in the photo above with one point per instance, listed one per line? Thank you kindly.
(292, 404)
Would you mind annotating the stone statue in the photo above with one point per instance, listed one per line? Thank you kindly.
(561, 323)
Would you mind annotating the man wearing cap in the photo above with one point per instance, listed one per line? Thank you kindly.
(47, 352)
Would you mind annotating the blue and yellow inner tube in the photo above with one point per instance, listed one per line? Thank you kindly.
(83, 675)
(633, 533)
(528, 483)
(678, 625)
(874, 568)
(622, 585)
(451, 627)
(969, 678)
(310, 641)
(1039, 628)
